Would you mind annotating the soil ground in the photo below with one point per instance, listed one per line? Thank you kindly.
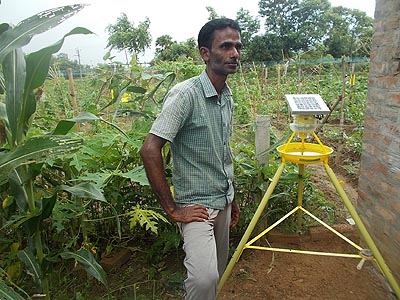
(267, 275)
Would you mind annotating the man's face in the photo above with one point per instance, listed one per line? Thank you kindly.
(223, 57)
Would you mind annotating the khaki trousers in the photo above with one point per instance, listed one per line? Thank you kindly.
(206, 246)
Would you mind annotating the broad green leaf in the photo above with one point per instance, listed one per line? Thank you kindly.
(34, 150)
(21, 34)
(7, 293)
(37, 69)
(14, 70)
(85, 117)
(31, 264)
(138, 175)
(37, 63)
(3, 113)
(136, 89)
(98, 179)
(64, 126)
(32, 220)
(48, 206)
(85, 190)
(16, 179)
(86, 258)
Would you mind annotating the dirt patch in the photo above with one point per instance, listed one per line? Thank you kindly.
(260, 275)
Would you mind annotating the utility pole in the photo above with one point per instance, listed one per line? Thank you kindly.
(79, 62)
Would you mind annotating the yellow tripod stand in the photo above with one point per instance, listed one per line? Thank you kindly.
(303, 153)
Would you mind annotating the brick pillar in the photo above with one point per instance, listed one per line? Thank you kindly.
(379, 181)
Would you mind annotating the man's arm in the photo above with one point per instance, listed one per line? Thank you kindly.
(154, 165)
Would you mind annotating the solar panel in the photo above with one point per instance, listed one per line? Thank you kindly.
(306, 104)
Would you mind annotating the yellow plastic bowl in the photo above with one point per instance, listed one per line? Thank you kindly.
(304, 153)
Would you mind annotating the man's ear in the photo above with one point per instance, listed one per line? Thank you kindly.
(205, 53)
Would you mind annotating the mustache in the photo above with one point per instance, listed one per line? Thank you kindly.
(233, 61)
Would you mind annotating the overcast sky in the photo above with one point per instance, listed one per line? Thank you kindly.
(181, 19)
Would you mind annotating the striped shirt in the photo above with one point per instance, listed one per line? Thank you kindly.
(198, 126)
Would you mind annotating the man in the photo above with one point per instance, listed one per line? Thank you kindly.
(196, 119)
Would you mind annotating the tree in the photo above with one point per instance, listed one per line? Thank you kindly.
(249, 26)
(281, 20)
(169, 50)
(164, 42)
(267, 47)
(302, 26)
(125, 37)
(212, 13)
(312, 22)
(349, 32)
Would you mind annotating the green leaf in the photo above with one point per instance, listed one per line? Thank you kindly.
(3, 113)
(21, 34)
(85, 190)
(48, 206)
(136, 89)
(168, 79)
(138, 175)
(7, 293)
(36, 149)
(86, 258)
(14, 70)
(16, 179)
(31, 264)
(37, 63)
(64, 126)
(146, 218)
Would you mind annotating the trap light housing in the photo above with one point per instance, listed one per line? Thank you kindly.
(305, 109)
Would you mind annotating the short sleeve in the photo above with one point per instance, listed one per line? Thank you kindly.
(173, 114)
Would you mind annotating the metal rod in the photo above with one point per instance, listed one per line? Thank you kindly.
(251, 226)
(300, 189)
(347, 255)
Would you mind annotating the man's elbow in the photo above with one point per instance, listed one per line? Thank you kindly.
(144, 151)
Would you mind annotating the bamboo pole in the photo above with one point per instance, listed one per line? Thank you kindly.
(299, 79)
(73, 97)
(279, 92)
(343, 94)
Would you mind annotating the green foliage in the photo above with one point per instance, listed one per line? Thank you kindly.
(86, 258)
(169, 50)
(146, 218)
(125, 36)
(294, 27)
(22, 157)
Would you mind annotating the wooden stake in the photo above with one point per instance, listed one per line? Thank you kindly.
(73, 97)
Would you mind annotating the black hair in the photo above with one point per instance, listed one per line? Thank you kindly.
(206, 34)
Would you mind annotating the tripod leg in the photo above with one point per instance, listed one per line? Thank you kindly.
(300, 190)
(368, 239)
(251, 226)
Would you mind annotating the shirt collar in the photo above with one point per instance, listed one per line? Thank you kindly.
(209, 90)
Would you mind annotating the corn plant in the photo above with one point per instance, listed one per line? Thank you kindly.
(25, 205)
